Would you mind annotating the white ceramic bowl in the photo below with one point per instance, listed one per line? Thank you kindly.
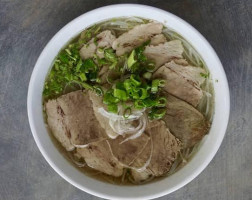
(209, 145)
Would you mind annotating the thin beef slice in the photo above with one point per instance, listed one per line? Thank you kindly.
(182, 82)
(184, 121)
(126, 42)
(71, 119)
(98, 156)
(164, 52)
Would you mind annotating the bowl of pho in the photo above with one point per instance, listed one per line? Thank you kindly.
(128, 102)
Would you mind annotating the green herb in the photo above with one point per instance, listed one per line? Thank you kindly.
(109, 98)
(95, 41)
(88, 65)
(127, 112)
(147, 75)
(98, 90)
(120, 94)
(156, 84)
(131, 60)
(82, 77)
(204, 75)
(157, 113)
(112, 108)
(109, 55)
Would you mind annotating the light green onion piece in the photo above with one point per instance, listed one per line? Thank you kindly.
(120, 94)
(135, 80)
(78, 66)
(127, 112)
(112, 108)
(68, 51)
(156, 84)
(143, 93)
(113, 65)
(131, 60)
(147, 75)
(138, 104)
(150, 67)
(161, 102)
(108, 98)
(157, 113)
(110, 55)
(82, 76)
(98, 90)
(127, 84)
(86, 86)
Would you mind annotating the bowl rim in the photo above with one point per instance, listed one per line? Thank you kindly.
(112, 195)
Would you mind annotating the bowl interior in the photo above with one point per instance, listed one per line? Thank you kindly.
(209, 145)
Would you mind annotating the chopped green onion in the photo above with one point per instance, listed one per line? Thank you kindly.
(82, 76)
(204, 75)
(98, 90)
(138, 104)
(113, 65)
(149, 102)
(161, 102)
(63, 57)
(68, 51)
(127, 112)
(131, 60)
(157, 113)
(108, 98)
(78, 66)
(150, 67)
(127, 84)
(88, 65)
(143, 93)
(86, 85)
(97, 30)
(110, 55)
(147, 75)
(100, 50)
(119, 85)
(95, 41)
(156, 84)
(112, 108)
(135, 80)
(120, 94)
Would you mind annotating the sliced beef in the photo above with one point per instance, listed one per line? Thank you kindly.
(127, 152)
(184, 121)
(181, 61)
(165, 52)
(56, 123)
(102, 40)
(182, 82)
(103, 121)
(98, 156)
(135, 37)
(74, 119)
(158, 39)
(164, 150)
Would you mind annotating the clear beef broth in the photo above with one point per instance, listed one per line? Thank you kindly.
(206, 105)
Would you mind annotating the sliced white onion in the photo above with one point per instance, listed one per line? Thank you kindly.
(138, 132)
(123, 126)
(81, 146)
